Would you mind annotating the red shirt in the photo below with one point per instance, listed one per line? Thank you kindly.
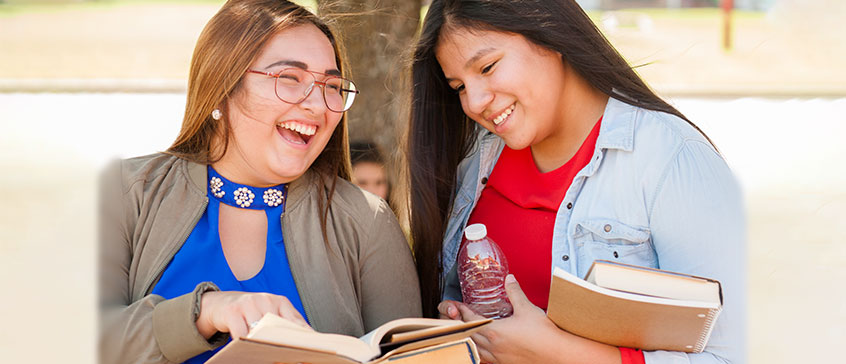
(518, 207)
(631, 356)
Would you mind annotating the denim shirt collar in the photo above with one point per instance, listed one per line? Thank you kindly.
(616, 132)
(618, 126)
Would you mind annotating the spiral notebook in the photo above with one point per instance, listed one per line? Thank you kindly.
(636, 320)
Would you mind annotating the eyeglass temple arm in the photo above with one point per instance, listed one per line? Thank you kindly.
(271, 74)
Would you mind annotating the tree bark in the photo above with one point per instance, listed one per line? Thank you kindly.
(378, 35)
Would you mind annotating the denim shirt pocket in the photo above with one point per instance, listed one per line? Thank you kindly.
(612, 240)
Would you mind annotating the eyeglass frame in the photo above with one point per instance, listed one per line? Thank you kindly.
(322, 85)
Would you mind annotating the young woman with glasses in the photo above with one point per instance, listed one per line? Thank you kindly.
(526, 119)
(250, 211)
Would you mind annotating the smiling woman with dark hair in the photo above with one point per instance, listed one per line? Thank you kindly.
(251, 210)
(526, 119)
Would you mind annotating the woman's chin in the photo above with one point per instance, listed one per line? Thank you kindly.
(291, 163)
(288, 169)
(516, 144)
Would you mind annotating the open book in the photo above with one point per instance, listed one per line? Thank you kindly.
(636, 307)
(274, 339)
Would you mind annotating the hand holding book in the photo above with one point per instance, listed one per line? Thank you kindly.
(217, 308)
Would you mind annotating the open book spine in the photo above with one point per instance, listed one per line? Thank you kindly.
(706, 333)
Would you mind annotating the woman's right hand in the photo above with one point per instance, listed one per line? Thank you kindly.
(232, 311)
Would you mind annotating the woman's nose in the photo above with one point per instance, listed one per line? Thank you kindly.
(314, 99)
(477, 99)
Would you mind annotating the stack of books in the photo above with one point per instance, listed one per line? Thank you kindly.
(401, 341)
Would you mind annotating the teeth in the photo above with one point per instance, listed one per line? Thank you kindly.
(499, 119)
(299, 127)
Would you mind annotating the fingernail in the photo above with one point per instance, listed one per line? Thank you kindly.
(510, 279)
(451, 310)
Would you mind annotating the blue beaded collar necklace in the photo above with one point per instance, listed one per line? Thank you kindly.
(243, 196)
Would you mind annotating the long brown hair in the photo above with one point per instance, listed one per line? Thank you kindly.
(228, 45)
(440, 135)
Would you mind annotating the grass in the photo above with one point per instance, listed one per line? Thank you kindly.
(693, 13)
(156, 44)
(21, 6)
(662, 13)
(17, 7)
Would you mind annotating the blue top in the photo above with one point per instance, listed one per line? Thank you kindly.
(655, 193)
(201, 257)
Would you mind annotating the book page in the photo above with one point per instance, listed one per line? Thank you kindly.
(434, 331)
(560, 273)
(275, 330)
(386, 331)
(274, 338)
(462, 351)
(653, 282)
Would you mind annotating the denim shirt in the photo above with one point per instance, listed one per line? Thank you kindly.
(655, 193)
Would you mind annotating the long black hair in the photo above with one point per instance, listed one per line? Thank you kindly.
(440, 135)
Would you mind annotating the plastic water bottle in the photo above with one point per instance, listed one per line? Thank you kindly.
(481, 272)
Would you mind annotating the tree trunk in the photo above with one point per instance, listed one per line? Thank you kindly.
(378, 35)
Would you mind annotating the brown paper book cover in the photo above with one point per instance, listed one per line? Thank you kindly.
(275, 339)
(621, 318)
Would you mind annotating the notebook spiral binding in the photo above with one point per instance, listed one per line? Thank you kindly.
(709, 326)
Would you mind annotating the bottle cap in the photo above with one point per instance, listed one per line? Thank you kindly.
(475, 232)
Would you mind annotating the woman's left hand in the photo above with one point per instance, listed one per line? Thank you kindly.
(528, 336)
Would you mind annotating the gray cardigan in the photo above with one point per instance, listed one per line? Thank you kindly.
(362, 278)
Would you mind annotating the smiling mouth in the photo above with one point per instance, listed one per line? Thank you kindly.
(501, 117)
(296, 132)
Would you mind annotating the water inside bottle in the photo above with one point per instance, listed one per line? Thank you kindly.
(482, 270)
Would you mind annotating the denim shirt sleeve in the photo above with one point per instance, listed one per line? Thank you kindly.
(480, 162)
(698, 226)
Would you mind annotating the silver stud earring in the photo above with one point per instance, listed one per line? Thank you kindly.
(216, 114)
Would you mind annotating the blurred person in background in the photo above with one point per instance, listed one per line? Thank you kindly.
(250, 211)
(525, 118)
(369, 169)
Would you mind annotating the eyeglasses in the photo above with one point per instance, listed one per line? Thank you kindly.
(293, 85)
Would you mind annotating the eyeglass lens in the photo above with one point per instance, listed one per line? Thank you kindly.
(294, 84)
